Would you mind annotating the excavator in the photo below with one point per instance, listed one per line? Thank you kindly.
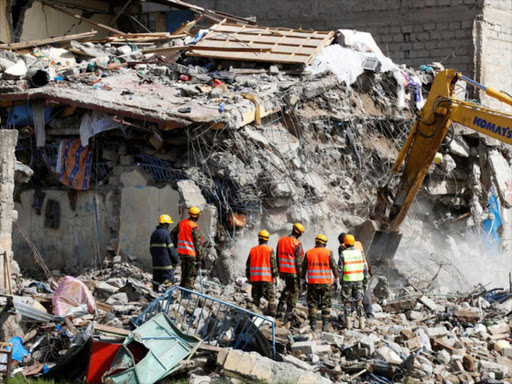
(380, 235)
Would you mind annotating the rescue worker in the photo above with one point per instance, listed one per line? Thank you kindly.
(261, 270)
(289, 258)
(318, 264)
(367, 302)
(187, 235)
(163, 254)
(353, 281)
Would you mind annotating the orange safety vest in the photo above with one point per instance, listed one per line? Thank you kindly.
(319, 266)
(185, 239)
(259, 269)
(286, 254)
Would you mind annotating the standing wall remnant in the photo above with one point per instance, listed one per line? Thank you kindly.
(8, 140)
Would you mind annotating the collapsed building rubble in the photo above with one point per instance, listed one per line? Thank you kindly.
(258, 134)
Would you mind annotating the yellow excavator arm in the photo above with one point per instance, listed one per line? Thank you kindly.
(381, 235)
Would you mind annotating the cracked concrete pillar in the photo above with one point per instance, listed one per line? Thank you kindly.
(8, 140)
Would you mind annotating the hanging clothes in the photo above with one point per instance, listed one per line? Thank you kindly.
(76, 164)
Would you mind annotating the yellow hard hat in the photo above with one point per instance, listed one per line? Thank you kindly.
(165, 219)
(349, 240)
(194, 211)
(299, 227)
(321, 239)
(263, 235)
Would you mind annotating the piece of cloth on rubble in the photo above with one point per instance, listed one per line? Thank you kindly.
(70, 295)
(490, 225)
(93, 123)
(52, 214)
(76, 164)
(39, 122)
(18, 350)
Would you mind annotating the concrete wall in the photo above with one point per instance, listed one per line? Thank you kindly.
(142, 205)
(8, 140)
(43, 22)
(71, 245)
(140, 208)
(494, 56)
(413, 32)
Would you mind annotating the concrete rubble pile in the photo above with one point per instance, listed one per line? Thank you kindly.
(416, 336)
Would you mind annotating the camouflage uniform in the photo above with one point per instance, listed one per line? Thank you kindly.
(263, 289)
(319, 296)
(291, 291)
(352, 294)
(189, 264)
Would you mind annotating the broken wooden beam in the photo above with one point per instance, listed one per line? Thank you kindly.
(79, 17)
(206, 48)
(53, 40)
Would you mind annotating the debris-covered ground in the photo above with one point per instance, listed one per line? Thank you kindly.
(260, 138)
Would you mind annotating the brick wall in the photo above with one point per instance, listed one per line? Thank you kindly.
(493, 59)
(413, 32)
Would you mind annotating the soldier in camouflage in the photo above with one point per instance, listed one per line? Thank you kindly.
(187, 235)
(290, 257)
(318, 265)
(354, 276)
(261, 270)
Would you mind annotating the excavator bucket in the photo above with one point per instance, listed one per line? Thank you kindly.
(378, 244)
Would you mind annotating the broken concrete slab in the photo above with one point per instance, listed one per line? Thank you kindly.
(254, 367)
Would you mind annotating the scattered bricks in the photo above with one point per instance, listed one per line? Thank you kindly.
(457, 366)
(443, 357)
(304, 347)
(388, 355)
(469, 363)
(406, 334)
(323, 349)
(415, 315)
(429, 303)
(466, 317)
(332, 338)
(368, 342)
(504, 348)
(399, 306)
(437, 332)
(498, 328)
(488, 366)
(414, 344)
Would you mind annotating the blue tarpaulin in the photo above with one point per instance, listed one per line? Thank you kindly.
(174, 19)
(490, 225)
(22, 115)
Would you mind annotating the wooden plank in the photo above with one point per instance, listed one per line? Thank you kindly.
(111, 330)
(77, 16)
(226, 27)
(53, 40)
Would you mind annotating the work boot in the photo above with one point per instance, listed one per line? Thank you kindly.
(312, 323)
(280, 307)
(288, 315)
(348, 323)
(362, 322)
(325, 325)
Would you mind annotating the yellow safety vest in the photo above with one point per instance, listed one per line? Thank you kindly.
(353, 265)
